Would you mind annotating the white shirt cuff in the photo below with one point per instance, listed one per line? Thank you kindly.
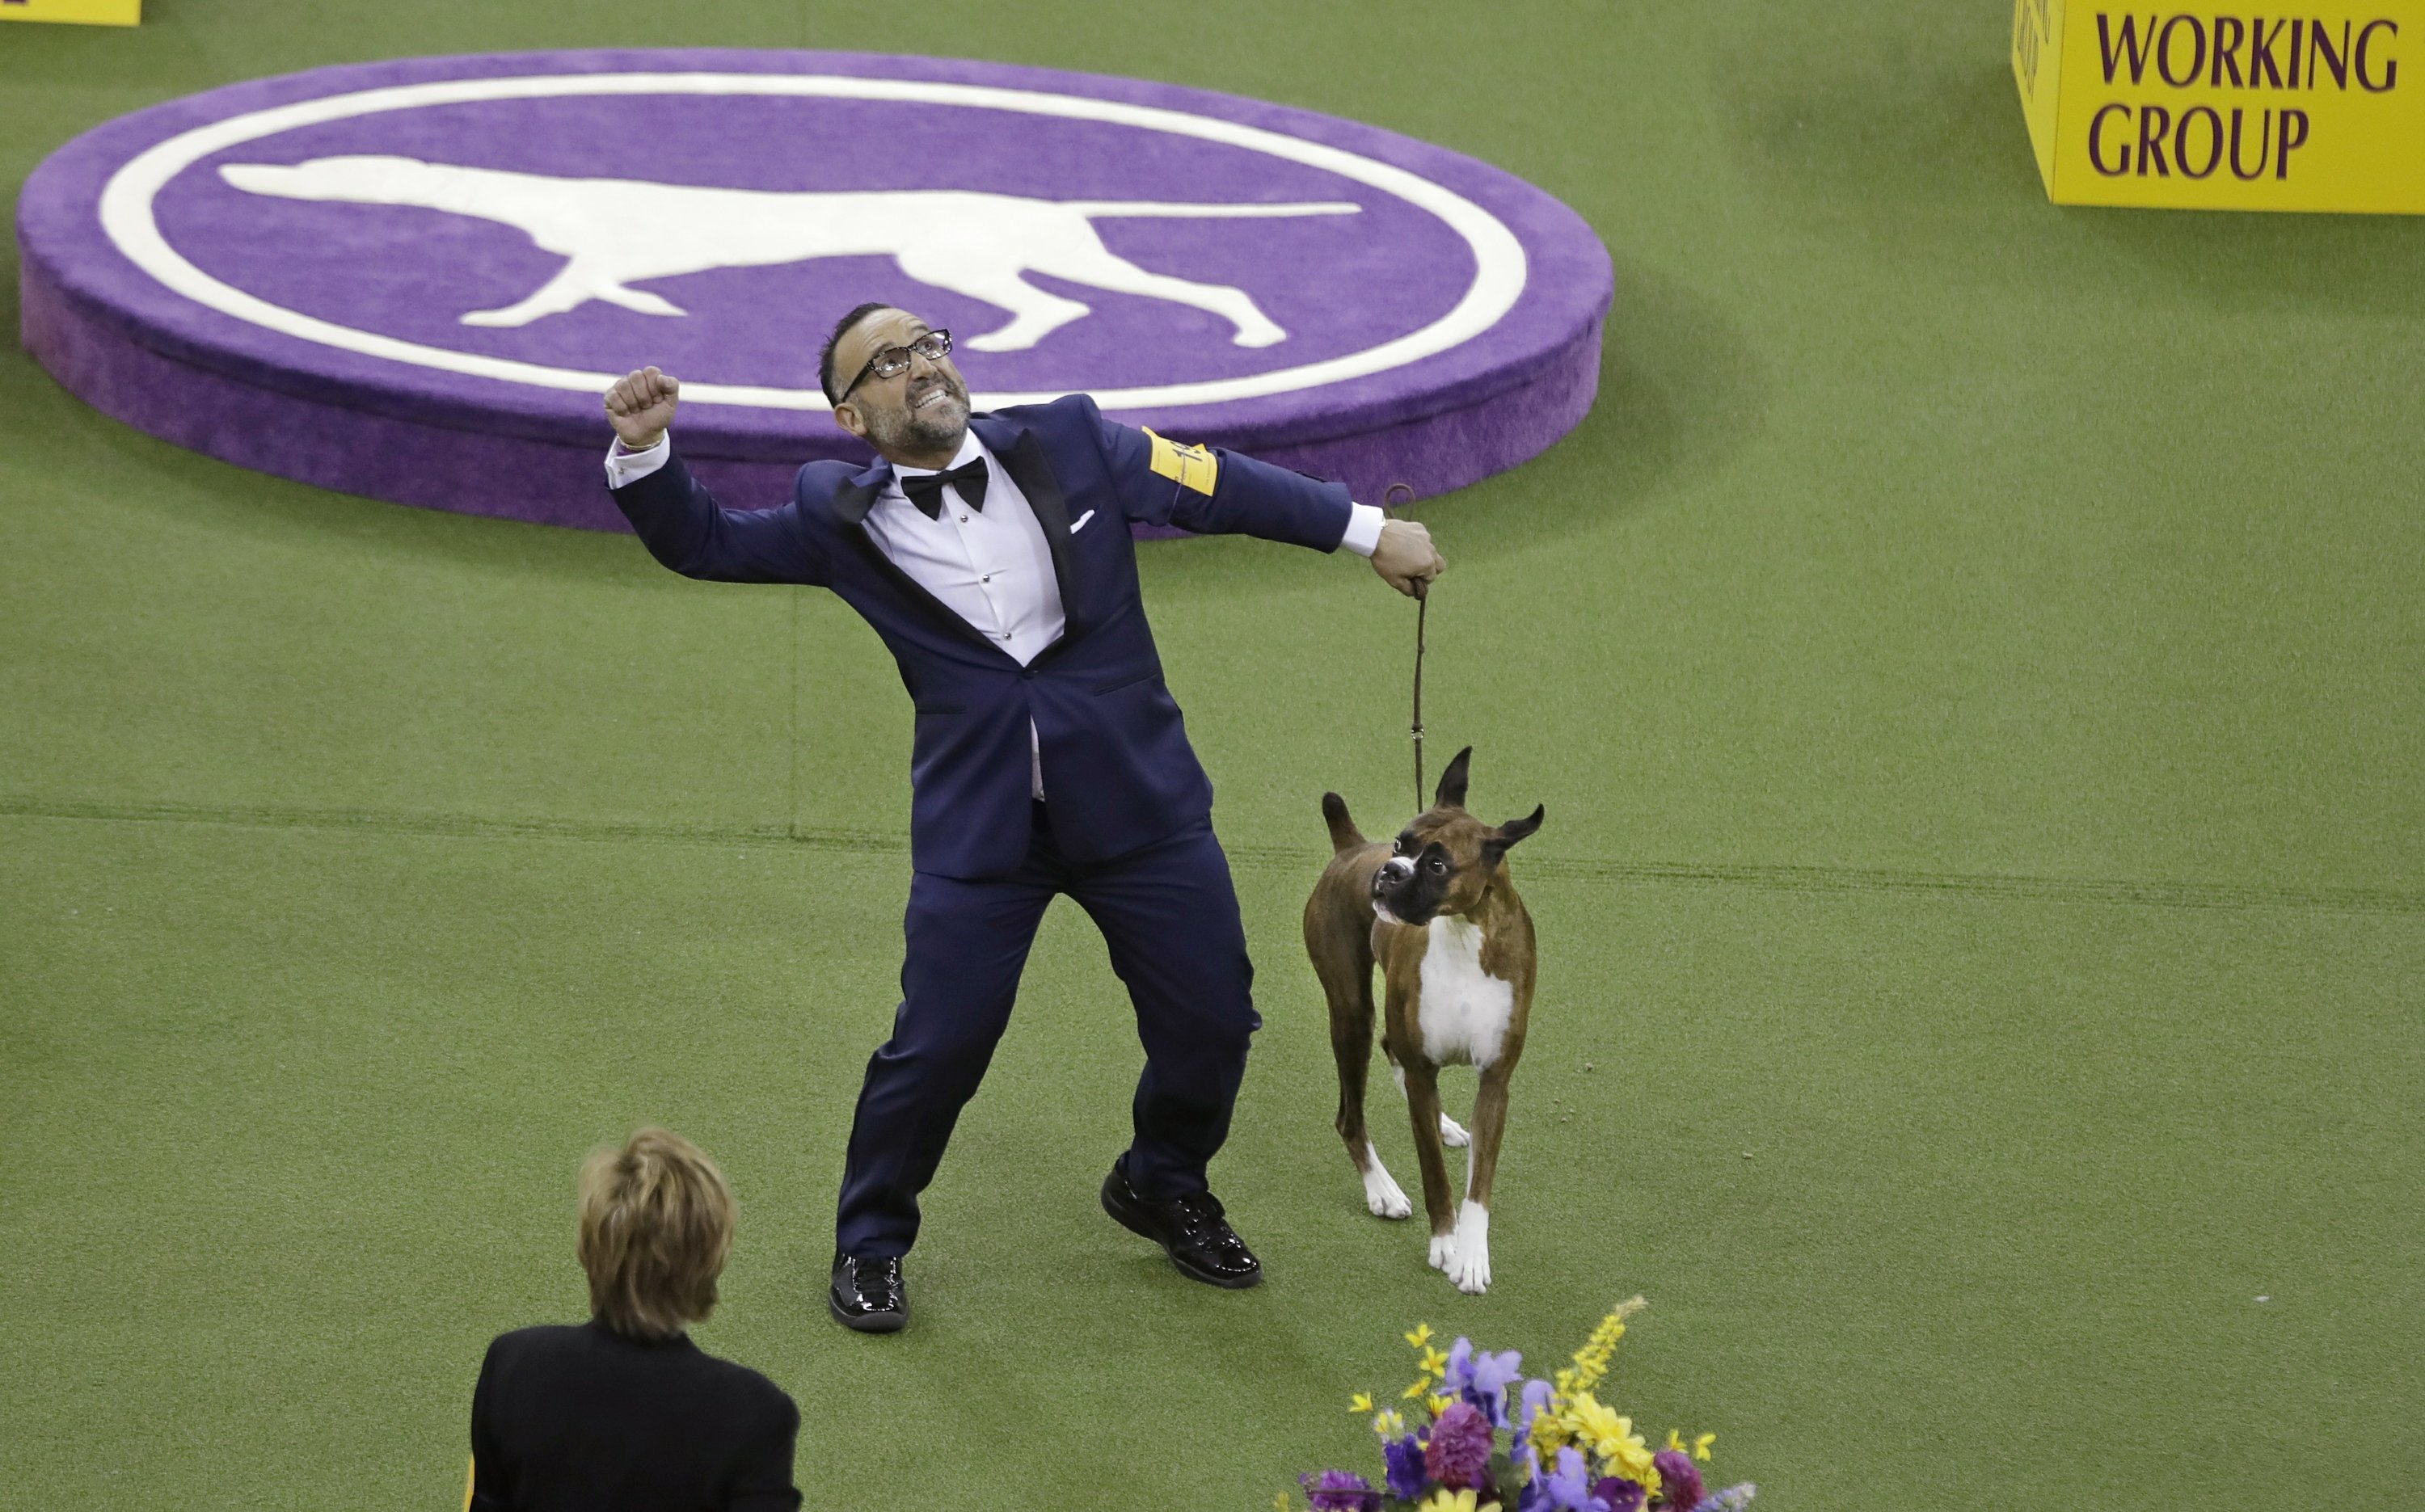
(627, 467)
(1363, 530)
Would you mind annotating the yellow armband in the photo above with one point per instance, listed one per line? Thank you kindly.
(1190, 466)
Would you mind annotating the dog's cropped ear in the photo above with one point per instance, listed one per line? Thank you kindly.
(1451, 783)
(1509, 832)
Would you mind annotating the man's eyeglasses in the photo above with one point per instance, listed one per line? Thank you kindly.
(894, 360)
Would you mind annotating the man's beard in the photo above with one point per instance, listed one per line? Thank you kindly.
(935, 428)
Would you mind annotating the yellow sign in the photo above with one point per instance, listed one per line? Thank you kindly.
(2203, 109)
(90, 13)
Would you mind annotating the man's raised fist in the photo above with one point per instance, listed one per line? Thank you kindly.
(640, 405)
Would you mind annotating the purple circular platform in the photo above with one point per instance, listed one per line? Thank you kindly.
(413, 279)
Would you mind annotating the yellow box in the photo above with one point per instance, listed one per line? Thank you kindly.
(87, 12)
(2309, 106)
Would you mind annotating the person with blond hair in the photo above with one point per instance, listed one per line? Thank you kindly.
(624, 1412)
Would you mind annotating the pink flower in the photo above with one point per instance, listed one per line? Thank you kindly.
(1679, 1482)
(1459, 1450)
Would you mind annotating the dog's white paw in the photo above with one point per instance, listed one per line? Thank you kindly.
(1469, 1266)
(1453, 1133)
(1443, 1251)
(1382, 1193)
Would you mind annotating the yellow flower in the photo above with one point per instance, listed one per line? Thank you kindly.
(1281, 1502)
(1632, 1461)
(1610, 1434)
(1438, 1404)
(1701, 1445)
(1549, 1433)
(1675, 1440)
(1434, 1362)
(1591, 1361)
(1362, 1402)
(1422, 1385)
(1447, 1501)
(1387, 1423)
(1592, 1422)
(1421, 1336)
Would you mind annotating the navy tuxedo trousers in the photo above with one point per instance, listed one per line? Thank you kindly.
(1171, 915)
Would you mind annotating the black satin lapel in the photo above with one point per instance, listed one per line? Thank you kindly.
(910, 587)
(852, 501)
(1027, 467)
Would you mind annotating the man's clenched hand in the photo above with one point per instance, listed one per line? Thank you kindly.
(1404, 557)
(641, 405)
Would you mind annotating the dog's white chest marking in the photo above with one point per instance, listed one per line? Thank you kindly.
(1464, 1010)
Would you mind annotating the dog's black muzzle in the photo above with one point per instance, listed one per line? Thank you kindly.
(1399, 893)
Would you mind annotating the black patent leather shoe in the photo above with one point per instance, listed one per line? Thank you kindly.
(867, 1293)
(1191, 1229)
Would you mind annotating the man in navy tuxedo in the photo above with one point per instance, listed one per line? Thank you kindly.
(992, 554)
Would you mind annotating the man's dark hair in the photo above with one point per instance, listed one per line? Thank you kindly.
(825, 358)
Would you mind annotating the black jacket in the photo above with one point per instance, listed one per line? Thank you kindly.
(584, 1418)
(1118, 765)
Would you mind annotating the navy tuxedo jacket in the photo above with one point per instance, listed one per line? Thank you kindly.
(1117, 768)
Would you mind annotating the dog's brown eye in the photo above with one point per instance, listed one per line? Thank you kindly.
(1437, 865)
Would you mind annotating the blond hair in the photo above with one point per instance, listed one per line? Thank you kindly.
(656, 1222)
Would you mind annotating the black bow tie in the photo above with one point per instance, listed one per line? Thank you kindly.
(927, 492)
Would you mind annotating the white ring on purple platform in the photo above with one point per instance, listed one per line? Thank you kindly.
(126, 216)
(453, 363)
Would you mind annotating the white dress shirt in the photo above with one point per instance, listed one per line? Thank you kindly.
(991, 566)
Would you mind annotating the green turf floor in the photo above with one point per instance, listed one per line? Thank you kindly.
(1972, 661)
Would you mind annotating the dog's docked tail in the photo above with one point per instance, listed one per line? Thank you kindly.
(1344, 836)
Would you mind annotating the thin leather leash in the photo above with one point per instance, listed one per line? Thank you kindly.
(1422, 612)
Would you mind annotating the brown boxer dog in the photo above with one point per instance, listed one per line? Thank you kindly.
(1436, 908)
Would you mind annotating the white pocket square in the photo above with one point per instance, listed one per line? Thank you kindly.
(1082, 522)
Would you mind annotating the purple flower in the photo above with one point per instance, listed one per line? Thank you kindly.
(1340, 1490)
(1679, 1484)
(1537, 1396)
(1488, 1381)
(1531, 1487)
(1621, 1495)
(1457, 1379)
(1460, 1447)
(1403, 1461)
(1481, 1377)
(1569, 1486)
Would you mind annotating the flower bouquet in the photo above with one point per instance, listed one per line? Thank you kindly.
(1564, 1451)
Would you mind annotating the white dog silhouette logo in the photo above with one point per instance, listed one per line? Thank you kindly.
(616, 232)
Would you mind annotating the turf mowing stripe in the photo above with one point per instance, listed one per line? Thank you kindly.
(2050, 889)
(466, 825)
(1270, 858)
